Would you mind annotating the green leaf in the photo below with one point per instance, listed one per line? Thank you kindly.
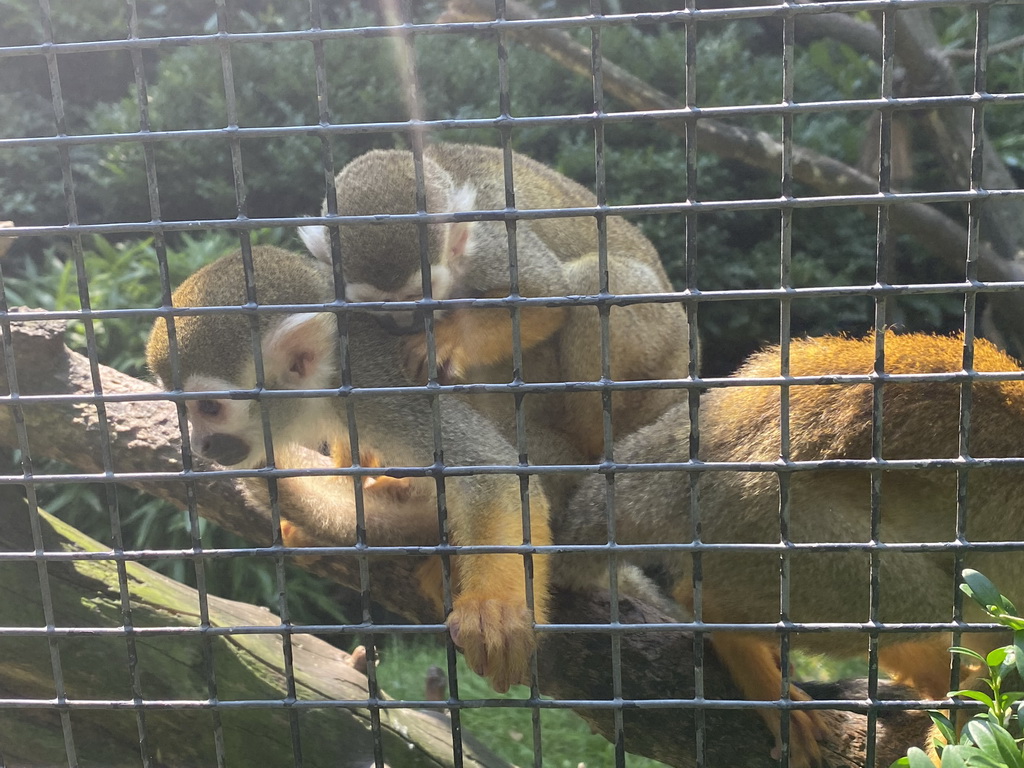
(980, 589)
(1011, 609)
(1018, 646)
(995, 742)
(954, 756)
(959, 649)
(944, 725)
(916, 758)
(967, 693)
(980, 759)
(1008, 748)
(1013, 622)
(996, 657)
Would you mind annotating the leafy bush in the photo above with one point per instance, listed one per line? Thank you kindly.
(738, 63)
(990, 738)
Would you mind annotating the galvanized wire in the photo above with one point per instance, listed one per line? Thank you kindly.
(404, 36)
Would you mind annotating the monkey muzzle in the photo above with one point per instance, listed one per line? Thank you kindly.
(224, 449)
(402, 323)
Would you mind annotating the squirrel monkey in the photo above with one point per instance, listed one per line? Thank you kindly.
(470, 259)
(490, 619)
(828, 505)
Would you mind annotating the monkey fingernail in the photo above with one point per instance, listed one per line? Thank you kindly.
(453, 630)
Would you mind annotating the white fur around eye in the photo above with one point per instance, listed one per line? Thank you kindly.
(234, 414)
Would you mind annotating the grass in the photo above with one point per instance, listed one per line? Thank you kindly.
(565, 740)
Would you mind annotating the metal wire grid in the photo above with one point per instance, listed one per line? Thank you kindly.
(886, 104)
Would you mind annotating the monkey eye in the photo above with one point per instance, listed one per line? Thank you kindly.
(210, 408)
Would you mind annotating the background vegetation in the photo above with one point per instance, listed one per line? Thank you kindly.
(739, 62)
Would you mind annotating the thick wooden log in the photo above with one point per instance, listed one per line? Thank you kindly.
(175, 666)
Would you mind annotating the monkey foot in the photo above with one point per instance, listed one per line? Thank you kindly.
(754, 666)
(805, 733)
(357, 659)
(496, 638)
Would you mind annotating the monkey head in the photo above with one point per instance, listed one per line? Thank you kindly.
(215, 352)
(381, 260)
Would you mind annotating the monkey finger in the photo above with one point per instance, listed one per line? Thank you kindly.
(497, 639)
(467, 639)
(416, 359)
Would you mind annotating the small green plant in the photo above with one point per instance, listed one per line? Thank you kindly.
(990, 739)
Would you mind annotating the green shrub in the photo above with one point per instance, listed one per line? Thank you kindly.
(991, 738)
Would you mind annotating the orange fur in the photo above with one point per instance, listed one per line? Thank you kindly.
(478, 336)
(832, 504)
(920, 421)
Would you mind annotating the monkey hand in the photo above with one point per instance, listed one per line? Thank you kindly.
(447, 352)
(496, 637)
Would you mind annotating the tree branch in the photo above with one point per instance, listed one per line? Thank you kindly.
(929, 72)
(85, 594)
(656, 664)
(1003, 47)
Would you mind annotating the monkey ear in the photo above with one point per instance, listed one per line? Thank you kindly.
(298, 352)
(463, 199)
(392, 489)
(317, 242)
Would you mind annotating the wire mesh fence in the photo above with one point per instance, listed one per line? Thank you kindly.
(418, 392)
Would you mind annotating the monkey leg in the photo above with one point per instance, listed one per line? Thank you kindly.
(491, 620)
(919, 664)
(471, 337)
(753, 663)
(923, 666)
(494, 627)
(430, 580)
